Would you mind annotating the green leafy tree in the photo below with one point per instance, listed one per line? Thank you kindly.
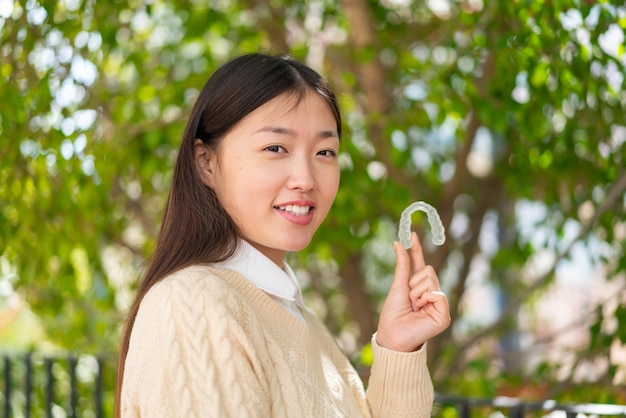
(506, 116)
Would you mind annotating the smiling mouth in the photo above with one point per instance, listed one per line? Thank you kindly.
(294, 209)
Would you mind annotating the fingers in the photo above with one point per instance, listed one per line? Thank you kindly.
(422, 281)
(412, 274)
(426, 274)
(417, 254)
(430, 297)
(415, 309)
(435, 305)
(410, 261)
(419, 295)
(403, 266)
(422, 284)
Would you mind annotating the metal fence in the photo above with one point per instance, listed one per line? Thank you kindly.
(34, 385)
(464, 407)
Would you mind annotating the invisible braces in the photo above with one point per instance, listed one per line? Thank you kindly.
(436, 226)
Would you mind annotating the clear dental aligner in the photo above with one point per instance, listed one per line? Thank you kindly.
(436, 226)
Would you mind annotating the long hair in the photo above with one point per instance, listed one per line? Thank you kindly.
(195, 228)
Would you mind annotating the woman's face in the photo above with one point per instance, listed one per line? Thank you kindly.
(276, 173)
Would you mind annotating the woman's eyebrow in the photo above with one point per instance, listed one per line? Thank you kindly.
(292, 132)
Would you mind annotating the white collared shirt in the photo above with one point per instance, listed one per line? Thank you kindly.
(280, 284)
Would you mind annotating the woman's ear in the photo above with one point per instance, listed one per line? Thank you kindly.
(205, 161)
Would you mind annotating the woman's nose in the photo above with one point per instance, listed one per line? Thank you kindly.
(302, 176)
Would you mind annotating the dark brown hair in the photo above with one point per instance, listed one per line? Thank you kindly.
(195, 227)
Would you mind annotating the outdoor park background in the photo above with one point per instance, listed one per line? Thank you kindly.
(507, 116)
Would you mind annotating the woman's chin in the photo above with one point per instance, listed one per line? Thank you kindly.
(274, 249)
(295, 246)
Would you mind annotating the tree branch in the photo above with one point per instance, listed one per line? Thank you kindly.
(376, 99)
(470, 248)
(359, 304)
(616, 192)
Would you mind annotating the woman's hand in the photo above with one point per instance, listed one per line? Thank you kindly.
(415, 309)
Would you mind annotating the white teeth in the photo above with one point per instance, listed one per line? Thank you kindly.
(296, 210)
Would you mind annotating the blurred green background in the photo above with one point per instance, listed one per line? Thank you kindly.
(507, 116)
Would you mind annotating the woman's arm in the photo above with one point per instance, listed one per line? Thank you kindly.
(399, 384)
(415, 311)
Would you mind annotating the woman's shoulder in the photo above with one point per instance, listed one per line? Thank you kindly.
(195, 281)
(199, 286)
(197, 295)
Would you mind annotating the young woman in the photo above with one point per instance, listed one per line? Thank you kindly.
(218, 327)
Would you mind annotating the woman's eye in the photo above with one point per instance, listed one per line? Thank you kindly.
(275, 148)
(327, 153)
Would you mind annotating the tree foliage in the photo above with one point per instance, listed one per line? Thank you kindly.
(506, 116)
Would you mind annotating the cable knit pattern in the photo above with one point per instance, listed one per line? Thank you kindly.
(208, 343)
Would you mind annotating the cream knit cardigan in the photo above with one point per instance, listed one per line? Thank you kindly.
(209, 343)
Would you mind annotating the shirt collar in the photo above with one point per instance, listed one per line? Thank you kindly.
(264, 273)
